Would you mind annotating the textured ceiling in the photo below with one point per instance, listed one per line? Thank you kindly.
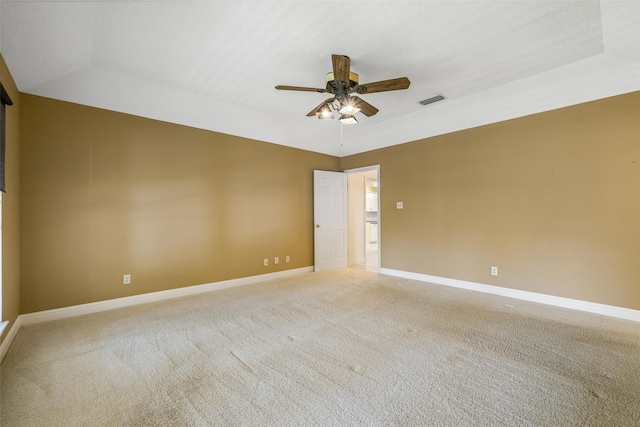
(214, 64)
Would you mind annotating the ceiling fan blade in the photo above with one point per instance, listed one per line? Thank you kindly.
(384, 85)
(341, 66)
(365, 108)
(299, 88)
(316, 110)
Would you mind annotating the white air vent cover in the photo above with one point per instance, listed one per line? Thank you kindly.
(432, 99)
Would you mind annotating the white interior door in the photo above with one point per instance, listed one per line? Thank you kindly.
(330, 220)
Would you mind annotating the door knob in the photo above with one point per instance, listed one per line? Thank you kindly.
(317, 225)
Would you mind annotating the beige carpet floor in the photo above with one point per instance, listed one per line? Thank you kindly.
(339, 348)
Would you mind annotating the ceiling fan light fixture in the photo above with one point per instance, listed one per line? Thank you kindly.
(348, 108)
(341, 83)
(325, 113)
(348, 119)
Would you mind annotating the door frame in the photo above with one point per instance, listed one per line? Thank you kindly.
(377, 169)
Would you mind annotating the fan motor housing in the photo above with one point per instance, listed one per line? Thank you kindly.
(332, 86)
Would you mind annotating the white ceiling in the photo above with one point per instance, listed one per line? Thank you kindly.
(214, 64)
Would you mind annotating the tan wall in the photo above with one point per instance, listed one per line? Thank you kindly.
(552, 200)
(11, 204)
(106, 194)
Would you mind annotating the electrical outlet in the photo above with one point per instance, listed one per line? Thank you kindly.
(494, 271)
(266, 262)
(399, 205)
(276, 260)
(287, 259)
(126, 279)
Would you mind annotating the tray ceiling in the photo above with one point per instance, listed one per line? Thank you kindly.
(214, 64)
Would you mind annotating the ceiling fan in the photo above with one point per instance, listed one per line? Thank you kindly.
(342, 83)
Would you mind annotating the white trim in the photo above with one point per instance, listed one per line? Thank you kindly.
(363, 169)
(592, 307)
(95, 307)
(8, 340)
(3, 325)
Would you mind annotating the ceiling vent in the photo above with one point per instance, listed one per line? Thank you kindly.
(432, 100)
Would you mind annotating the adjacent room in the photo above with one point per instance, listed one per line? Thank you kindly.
(320, 213)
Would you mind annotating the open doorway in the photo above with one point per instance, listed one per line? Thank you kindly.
(364, 218)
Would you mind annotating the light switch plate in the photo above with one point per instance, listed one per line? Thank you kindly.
(399, 205)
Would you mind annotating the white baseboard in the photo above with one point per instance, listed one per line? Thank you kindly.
(78, 310)
(95, 307)
(592, 307)
(8, 340)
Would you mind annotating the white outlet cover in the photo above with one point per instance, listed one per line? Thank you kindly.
(399, 205)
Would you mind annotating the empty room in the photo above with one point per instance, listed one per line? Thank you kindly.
(332, 213)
